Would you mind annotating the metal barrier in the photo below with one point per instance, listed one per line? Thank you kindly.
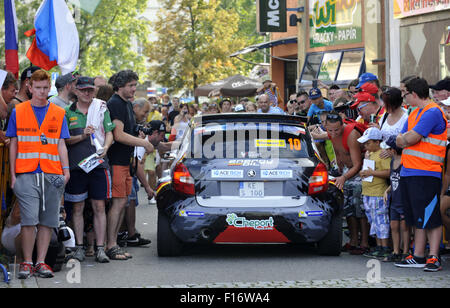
(5, 178)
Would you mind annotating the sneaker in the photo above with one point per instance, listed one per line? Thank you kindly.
(152, 200)
(359, 251)
(43, 270)
(412, 261)
(101, 256)
(79, 254)
(374, 253)
(393, 257)
(433, 264)
(137, 240)
(25, 270)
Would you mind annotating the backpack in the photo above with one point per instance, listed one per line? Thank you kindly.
(351, 125)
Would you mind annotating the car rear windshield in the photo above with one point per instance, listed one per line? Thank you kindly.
(250, 140)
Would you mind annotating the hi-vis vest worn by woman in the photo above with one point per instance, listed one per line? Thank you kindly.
(31, 151)
(429, 153)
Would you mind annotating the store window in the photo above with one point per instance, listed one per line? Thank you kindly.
(333, 66)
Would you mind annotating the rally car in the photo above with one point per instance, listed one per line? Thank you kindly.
(248, 178)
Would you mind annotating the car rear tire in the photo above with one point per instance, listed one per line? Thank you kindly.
(167, 242)
(331, 244)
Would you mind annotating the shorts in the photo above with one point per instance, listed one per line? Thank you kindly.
(93, 185)
(377, 213)
(421, 196)
(397, 212)
(39, 198)
(134, 192)
(121, 181)
(150, 162)
(352, 198)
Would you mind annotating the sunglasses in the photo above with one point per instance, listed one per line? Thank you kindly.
(301, 102)
(333, 117)
(292, 101)
(362, 106)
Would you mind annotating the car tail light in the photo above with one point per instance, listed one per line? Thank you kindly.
(182, 181)
(318, 182)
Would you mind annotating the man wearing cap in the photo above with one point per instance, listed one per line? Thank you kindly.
(370, 78)
(95, 184)
(368, 104)
(441, 90)
(318, 104)
(24, 93)
(64, 85)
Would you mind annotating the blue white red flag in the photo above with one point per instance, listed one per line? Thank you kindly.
(56, 41)
(11, 38)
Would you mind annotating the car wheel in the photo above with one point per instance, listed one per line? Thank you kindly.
(168, 244)
(331, 244)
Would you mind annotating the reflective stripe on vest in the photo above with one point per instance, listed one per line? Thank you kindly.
(423, 155)
(31, 151)
(429, 153)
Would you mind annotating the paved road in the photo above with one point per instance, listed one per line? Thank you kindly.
(234, 266)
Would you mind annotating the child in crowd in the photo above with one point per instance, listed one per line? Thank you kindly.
(376, 209)
(399, 230)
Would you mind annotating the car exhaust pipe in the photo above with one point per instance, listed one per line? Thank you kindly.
(205, 233)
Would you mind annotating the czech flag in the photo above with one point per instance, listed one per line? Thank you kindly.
(56, 41)
(11, 38)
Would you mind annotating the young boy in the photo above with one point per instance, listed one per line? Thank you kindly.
(376, 209)
(399, 230)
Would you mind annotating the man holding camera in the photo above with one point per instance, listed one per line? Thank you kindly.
(121, 154)
(39, 168)
(94, 184)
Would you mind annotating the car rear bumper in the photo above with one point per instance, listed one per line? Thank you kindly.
(306, 223)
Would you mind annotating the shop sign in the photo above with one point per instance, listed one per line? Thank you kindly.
(272, 16)
(407, 8)
(334, 22)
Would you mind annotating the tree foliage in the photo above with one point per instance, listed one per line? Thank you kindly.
(194, 41)
(108, 39)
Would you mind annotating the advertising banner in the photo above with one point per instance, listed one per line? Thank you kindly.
(407, 8)
(334, 22)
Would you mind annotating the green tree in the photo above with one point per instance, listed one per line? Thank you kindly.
(107, 38)
(194, 41)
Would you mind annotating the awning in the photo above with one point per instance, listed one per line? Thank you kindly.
(282, 41)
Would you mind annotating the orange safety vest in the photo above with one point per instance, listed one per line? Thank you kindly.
(429, 153)
(30, 150)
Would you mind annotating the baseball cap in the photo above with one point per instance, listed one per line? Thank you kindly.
(84, 82)
(369, 88)
(63, 80)
(28, 72)
(446, 102)
(372, 133)
(443, 84)
(365, 78)
(362, 97)
(157, 125)
(314, 93)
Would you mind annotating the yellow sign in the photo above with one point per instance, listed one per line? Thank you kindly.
(270, 143)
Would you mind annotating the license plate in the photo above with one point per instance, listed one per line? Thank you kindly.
(251, 189)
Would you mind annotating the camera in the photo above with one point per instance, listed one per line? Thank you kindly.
(141, 128)
(63, 232)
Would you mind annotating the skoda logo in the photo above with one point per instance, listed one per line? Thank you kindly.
(251, 173)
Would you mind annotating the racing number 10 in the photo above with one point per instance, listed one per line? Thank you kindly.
(295, 144)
